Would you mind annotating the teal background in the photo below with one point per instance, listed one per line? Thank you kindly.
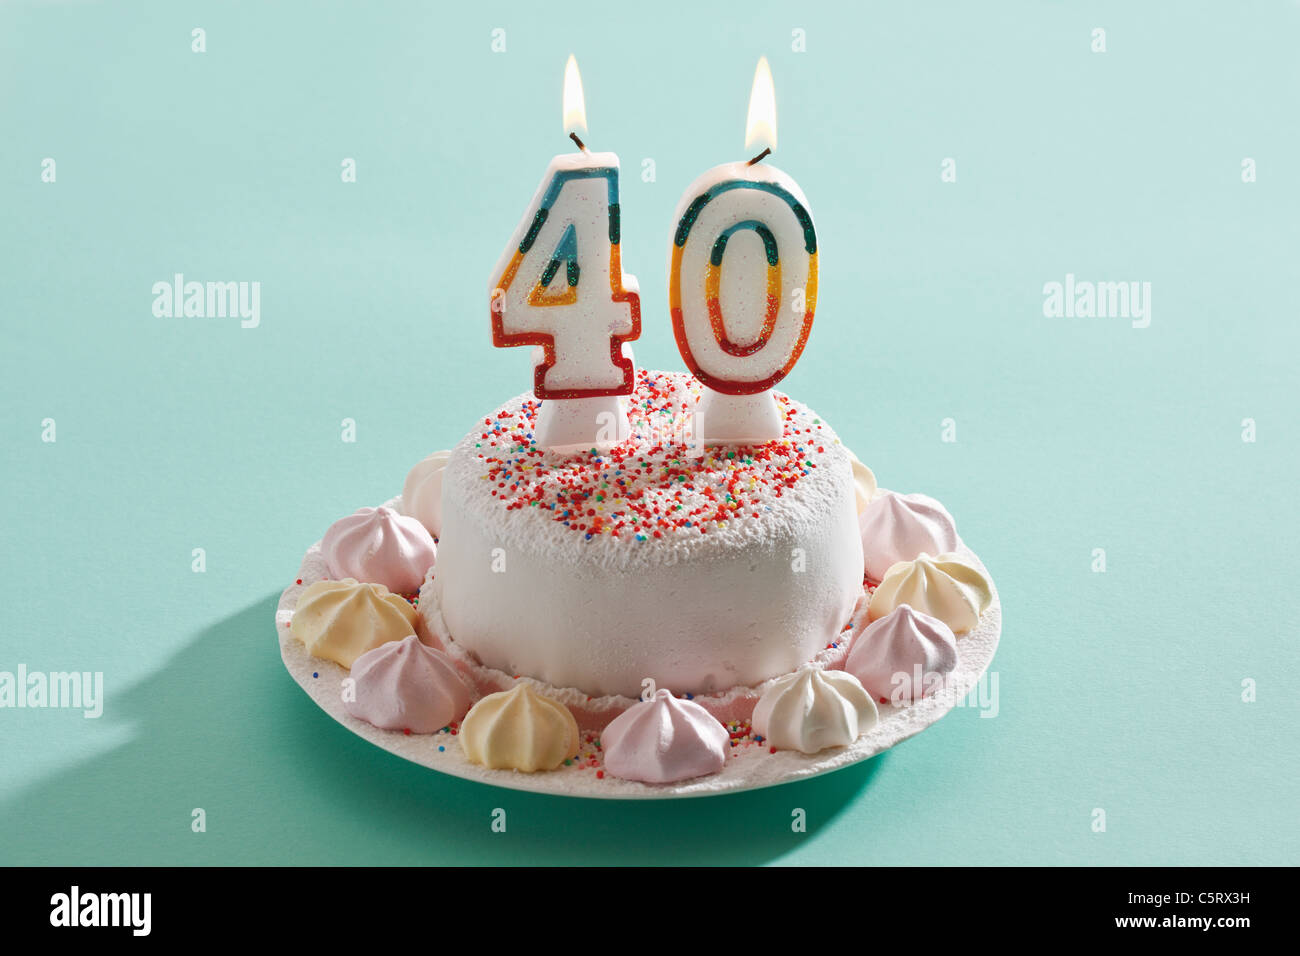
(1118, 690)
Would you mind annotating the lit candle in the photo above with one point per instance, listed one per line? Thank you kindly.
(560, 286)
(742, 282)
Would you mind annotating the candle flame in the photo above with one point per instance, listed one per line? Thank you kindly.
(575, 104)
(760, 125)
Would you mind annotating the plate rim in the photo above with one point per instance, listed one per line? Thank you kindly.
(896, 724)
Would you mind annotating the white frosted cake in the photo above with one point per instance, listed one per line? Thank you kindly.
(701, 569)
(677, 580)
(651, 608)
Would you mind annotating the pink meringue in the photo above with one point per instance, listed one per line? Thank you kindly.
(664, 739)
(404, 685)
(898, 527)
(902, 656)
(380, 546)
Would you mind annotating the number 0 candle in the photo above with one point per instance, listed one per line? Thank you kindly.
(560, 287)
(742, 282)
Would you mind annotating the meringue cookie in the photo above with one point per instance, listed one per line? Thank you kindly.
(901, 656)
(519, 729)
(403, 685)
(341, 620)
(422, 493)
(379, 546)
(813, 709)
(864, 481)
(664, 739)
(946, 587)
(899, 527)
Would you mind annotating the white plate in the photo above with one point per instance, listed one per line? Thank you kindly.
(749, 767)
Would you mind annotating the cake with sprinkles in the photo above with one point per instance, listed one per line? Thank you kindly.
(629, 582)
(702, 568)
(698, 601)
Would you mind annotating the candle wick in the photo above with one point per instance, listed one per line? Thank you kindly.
(581, 145)
(765, 152)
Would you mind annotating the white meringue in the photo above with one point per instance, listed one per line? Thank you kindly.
(422, 492)
(813, 709)
(341, 620)
(404, 685)
(664, 739)
(903, 655)
(864, 482)
(899, 527)
(519, 729)
(946, 587)
(379, 546)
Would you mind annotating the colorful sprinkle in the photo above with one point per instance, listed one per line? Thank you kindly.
(654, 484)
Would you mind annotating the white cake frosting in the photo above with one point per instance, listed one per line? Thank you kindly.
(601, 603)
(595, 712)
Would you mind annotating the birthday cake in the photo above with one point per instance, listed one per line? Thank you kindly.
(520, 604)
(635, 573)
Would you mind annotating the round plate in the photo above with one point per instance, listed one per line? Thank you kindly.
(750, 765)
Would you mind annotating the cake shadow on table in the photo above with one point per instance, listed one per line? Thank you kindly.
(281, 783)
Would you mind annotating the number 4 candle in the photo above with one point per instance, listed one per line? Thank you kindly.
(560, 287)
(742, 282)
